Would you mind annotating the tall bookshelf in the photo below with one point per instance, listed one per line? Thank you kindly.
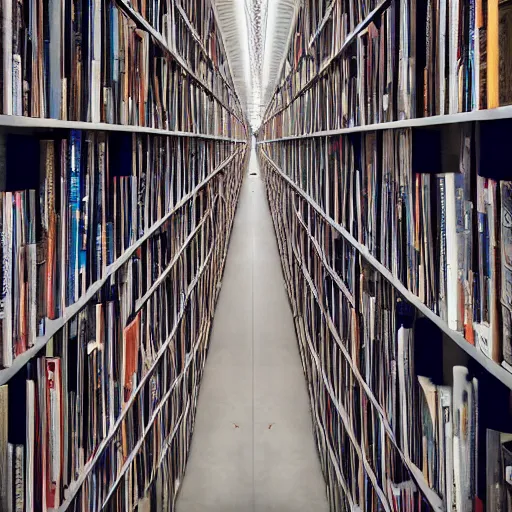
(384, 153)
(122, 150)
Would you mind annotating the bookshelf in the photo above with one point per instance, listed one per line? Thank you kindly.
(132, 145)
(387, 179)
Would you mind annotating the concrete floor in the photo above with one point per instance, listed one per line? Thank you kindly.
(253, 448)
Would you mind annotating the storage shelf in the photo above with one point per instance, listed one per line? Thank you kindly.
(332, 456)
(348, 41)
(163, 276)
(491, 366)
(435, 501)
(492, 114)
(196, 36)
(53, 326)
(311, 41)
(37, 123)
(163, 43)
(346, 422)
(336, 278)
(167, 444)
(190, 358)
(77, 484)
(322, 23)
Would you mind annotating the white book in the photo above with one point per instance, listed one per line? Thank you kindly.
(453, 63)
(463, 444)
(10, 477)
(17, 86)
(475, 99)
(402, 357)
(95, 116)
(30, 446)
(7, 55)
(55, 9)
(446, 418)
(441, 56)
(452, 289)
(31, 252)
(4, 428)
(7, 348)
(19, 472)
(96, 63)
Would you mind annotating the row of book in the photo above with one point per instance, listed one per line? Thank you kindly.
(321, 30)
(413, 59)
(203, 55)
(83, 200)
(446, 200)
(106, 407)
(201, 16)
(92, 62)
(389, 409)
(151, 476)
(170, 20)
(360, 485)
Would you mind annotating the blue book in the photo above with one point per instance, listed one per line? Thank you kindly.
(115, 44)
(110, 243)
(75, 148)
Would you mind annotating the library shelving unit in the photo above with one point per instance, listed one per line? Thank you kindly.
(122, 151)
(385, 156)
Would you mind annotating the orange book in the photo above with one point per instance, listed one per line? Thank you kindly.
(131, 342)
(493, 54)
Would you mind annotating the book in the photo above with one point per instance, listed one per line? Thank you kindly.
(55, 421)
(4, 450)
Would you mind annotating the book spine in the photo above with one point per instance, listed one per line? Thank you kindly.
(19, 479)
(506, 268)
(30, 446)
(64, 213)
(10, 477)
(54, 431)
(493, 54)
(17, 86)
(4, 439)
(55, 8)
(7, 56)
(35, 317)
(452, 253)
(74, 217)
(7, 268)
(443, 272)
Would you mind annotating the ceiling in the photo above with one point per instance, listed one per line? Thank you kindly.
(256, 36)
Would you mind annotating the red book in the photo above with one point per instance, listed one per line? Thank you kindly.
(54, 431)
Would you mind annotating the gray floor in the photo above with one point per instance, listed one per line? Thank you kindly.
(253, 447)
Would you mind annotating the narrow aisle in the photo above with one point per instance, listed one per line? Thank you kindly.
(253, 447)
